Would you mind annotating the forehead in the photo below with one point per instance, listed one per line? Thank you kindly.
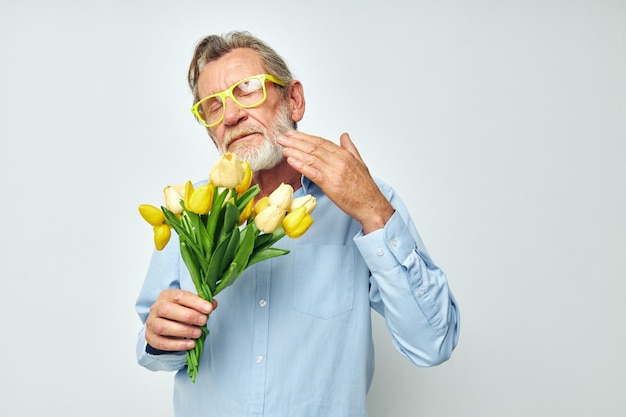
(236, 65)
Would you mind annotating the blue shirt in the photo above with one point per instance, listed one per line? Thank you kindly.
(293, 336)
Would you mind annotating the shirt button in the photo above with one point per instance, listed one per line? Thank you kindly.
(262, 303)
(420, 292)
(259, 359)
(380, 252)
(394, 242)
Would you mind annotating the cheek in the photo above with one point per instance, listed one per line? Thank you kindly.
(263, 117)
(216, 136)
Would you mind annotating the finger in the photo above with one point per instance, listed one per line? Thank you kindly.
(187, 299)
(312, 150)
(173, 322)
(303, 142)
(163, 309)
(347, 144)
(161, 327)
(171, 343)
(305, 154)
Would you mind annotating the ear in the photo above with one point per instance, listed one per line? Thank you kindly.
(296, 100)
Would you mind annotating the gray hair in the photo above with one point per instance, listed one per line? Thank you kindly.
(214, 47)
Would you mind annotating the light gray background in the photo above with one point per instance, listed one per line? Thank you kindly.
(501, 123)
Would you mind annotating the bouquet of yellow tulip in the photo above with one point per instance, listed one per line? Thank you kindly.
(222, 232)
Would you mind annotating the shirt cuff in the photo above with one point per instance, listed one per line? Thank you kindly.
(150, 350)
(385, 248)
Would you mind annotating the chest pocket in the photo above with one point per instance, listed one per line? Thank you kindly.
(323, 280)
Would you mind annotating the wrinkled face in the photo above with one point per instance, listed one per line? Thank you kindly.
(250, 133)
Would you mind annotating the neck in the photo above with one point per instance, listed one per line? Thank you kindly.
(270, 179)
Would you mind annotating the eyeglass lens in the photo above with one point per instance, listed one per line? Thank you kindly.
(246, 93)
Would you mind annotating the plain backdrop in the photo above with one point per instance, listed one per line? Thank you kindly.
(501, 123)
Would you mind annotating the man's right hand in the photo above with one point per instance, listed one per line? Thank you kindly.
(175, 319)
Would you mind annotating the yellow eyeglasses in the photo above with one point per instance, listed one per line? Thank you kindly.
(247, 93)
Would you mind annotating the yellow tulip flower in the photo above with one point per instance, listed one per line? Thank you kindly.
(162, 234)
(200, 200)
(188, 191)
(151, 214)
(297, 222)
(269, 219)
(247, 178)
(173, 194)
(308, 201)
(281, 196)
(246, 212)
(261, 204)
(228, 172)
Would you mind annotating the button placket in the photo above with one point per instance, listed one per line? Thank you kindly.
(256, 396)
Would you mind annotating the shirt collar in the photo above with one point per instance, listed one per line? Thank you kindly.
(307, 185)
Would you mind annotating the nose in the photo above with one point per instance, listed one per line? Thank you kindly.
(233, 114)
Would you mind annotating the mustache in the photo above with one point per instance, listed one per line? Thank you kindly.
(241, 131)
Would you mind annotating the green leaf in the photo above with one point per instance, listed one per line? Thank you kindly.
(197, 227)
(186, 224)
(268, 239)
(220, 260)
(262, 241)
(173, 221)
(188, 221)
(230, 276)
(245, 198)
(266, 254)
(183, 234)
(231, 249)
(194, 270)
(246, 247)
(201, 235)
(218, 201)
(219, 226)
(231, 220)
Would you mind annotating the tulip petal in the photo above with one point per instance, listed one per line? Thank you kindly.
(261, 205)
(247, 178)
(151, 214)
(297, 222)
(246, 212)
(227, 172)
(269, 219)
(188, 192)
(201, 199)
(281, 196)
(162, 234)
(307, 201)
(173, 194)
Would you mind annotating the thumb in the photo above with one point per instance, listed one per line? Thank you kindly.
(346, 143)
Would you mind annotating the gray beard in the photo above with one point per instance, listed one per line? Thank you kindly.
(265, 156)
(269, 153)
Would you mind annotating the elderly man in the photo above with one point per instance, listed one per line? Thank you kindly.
(293, 337)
